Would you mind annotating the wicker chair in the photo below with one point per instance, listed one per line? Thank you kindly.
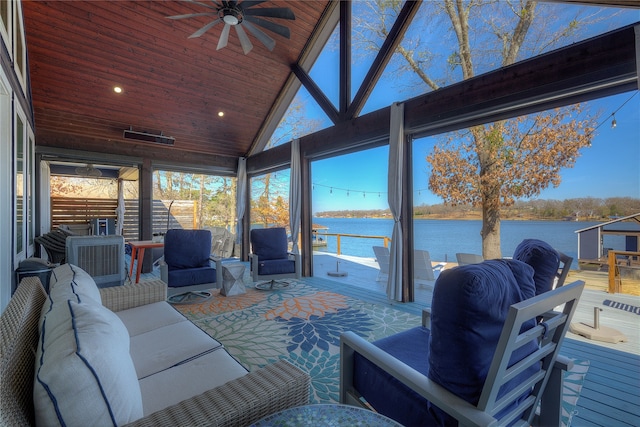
(54, 243)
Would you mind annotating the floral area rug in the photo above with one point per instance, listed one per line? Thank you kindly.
(300, 323)
(303, 324)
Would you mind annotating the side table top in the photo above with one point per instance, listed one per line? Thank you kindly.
(326, 415)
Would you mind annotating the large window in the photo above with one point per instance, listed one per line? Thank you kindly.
(5, 21)
(19, 45)
(23, 177)
(192, 200)
(270, 199)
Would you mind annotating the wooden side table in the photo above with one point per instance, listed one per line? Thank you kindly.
(137, 253)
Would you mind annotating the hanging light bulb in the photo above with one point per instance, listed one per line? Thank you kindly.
(613, 122)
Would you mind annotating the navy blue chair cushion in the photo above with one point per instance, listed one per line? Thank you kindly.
(543, 258)
(191, 276)
(276, 266)
(187, 249)
(269, 243)
(384, 392)
(469, 308)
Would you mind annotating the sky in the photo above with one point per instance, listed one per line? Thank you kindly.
(609, 168)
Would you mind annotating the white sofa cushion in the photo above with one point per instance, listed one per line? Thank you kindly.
(84, 373)
(167, 346)
(148, 317)
(190, 379)
(71, 282)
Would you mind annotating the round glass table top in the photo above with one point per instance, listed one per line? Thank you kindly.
(324, 415)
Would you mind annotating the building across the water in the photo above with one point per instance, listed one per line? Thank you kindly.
(593, 250)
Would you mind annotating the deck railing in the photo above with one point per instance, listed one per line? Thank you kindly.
(615, 280)
(339, 236)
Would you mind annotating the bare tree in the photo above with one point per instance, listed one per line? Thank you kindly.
(495, 164)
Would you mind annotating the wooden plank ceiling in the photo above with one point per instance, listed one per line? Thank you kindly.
(79, 50)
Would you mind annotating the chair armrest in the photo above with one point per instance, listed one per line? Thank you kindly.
(551, 399)
(298, 263)
(463, 411)
(426, 318)
(118, 298)
(240, 402)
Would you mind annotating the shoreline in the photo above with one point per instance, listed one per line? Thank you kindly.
(456, 218)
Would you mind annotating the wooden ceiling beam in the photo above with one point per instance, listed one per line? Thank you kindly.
(316, 93)
(601, 66)
(138, 150)
(344, 91)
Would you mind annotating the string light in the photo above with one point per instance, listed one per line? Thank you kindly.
(614, 123)
(348, 191)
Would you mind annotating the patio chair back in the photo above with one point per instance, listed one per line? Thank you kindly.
(465, 259)
(382, 258)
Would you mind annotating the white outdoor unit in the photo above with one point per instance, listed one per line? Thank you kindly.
(100, 256)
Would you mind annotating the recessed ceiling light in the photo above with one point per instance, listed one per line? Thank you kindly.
(220, 113)
(117, 89)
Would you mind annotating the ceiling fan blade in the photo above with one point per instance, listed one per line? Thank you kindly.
(244, 39)
(204, 29)
(224, 37)
(205, 4)
(272, 12)
(250, 3)
(192, 15)
(271, 26)
(260, 35)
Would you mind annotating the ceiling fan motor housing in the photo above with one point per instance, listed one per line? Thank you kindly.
(230, 15)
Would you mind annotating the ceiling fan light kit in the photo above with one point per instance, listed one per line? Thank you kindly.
(239, 15)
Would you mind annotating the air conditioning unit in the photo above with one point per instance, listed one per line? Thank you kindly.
(149, 137)
(100, 256)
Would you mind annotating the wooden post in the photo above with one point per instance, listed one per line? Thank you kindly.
(612, 272)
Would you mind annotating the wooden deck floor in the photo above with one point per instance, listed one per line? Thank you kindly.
(611, 393)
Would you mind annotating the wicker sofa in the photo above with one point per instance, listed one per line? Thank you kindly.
(235, 397)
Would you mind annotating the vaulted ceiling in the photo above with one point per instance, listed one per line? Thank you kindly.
(171, 84)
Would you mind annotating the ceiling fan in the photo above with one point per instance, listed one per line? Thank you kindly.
(89, 171)
(241, 16)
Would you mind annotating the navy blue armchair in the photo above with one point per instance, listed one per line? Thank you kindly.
(187, 260)
(481, 356)
(270, 258)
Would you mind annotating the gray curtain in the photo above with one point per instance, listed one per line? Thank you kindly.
(295, 195)
(120, 210)
(396, 154)
(241, 196)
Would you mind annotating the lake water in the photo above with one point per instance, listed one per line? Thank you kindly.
(443, 238)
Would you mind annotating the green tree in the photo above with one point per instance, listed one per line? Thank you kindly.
(492, 165)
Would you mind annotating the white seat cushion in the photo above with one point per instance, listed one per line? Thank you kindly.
(190, 379)
(84, 373)
(167, 346)
(148, 317)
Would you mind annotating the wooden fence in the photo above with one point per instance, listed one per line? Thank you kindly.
(78, 212)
